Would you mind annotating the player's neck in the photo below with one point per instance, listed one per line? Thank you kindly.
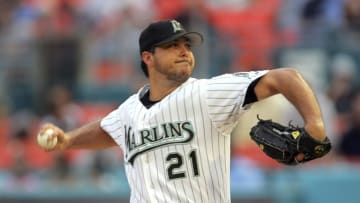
(161, 88)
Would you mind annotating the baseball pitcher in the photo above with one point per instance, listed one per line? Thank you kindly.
(175, 131)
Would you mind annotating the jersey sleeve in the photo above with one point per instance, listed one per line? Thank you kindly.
(225, 97)
(112, 125)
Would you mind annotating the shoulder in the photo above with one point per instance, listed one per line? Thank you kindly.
(241, 75)
(235, 79)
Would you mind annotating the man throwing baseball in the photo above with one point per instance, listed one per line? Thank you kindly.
(175, 131)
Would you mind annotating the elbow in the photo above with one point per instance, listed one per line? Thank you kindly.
(291, 72)
(287, 76)
(283, 76)
(277, 81)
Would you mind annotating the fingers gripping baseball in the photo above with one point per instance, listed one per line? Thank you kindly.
(50, 138)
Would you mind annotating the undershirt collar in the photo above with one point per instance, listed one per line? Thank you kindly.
(145, 100)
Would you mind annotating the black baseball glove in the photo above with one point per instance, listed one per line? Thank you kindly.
(283, 143)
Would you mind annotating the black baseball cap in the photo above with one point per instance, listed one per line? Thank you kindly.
(162, 32)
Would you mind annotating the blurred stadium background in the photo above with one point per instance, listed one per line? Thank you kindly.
(73, 61)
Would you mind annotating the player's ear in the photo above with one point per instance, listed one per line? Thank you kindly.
(146, 57)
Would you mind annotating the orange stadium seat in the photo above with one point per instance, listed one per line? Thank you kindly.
(252, 30)
(168, 9)
(5, 158)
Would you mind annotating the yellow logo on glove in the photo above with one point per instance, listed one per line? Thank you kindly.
(295, 134)
(319, 149)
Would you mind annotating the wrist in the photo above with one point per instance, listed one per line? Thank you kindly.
(68, 141)
(316, 129)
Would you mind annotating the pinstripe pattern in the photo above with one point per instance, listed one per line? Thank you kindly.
(197, 167)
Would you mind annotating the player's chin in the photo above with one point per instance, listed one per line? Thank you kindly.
(181, 73)
(185, 73)
(186, 69)
(180, 76)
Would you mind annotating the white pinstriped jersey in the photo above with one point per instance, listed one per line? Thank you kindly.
(179, 149)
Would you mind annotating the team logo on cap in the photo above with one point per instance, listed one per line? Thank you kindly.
(176, 26)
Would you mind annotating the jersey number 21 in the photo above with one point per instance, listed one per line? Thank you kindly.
(177, 160)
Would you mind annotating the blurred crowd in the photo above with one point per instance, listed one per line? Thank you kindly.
(72, 61)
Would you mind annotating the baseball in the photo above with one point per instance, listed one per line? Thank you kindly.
(45, 141)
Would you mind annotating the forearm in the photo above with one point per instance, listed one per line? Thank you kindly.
(89, 136)
(291, 84)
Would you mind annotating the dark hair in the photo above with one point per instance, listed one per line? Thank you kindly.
(144, 68)
(143, 64)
